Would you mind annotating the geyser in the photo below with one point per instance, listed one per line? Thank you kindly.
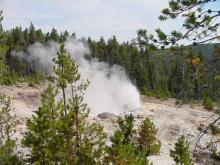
(110, 90)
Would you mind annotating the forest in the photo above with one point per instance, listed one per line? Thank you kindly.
(185, 73)
(160, 66)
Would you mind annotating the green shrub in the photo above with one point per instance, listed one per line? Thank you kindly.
(158, 93)
(177, 102)
(208, 103)
(215, 154)
(214, 129)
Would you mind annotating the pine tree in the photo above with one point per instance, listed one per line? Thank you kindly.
(39, 36)
(63, 36)
(47, 37)
(66, 72)
(112, 50)
(1, 18)
(25, 34)
(126, 127)
(200, 22)
(147, 137)
(101, 44)
(3, 50)
(59, 133)
(18, 38)
(41, 135)
(123, 150)
(2, 58)
(83, 141)
(31, 34)
(8, 154)
(181, 153)
(54, 35)
(126, 154)
(3, 66)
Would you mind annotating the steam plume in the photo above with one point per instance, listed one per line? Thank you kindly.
(110, 90)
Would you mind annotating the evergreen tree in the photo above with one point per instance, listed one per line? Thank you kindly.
(3, 50)
(86, 140)
(47, 36)
(123, 151)
(126, 126)
(3, 66)
(59, 133)
(63, 36)
(18, 38)
(66, 72)
(200, 21)
(126, 154)
(39, 36)
(8, 154)
(181, 153)
(25, 34)
(41, 136)
(216, 70)
(1, 18)
(147, 137)
(112, 50)
(31, 34)
(54, 35)
(101, 49)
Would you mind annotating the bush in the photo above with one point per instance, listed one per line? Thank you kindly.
(215, 154)
(177, 102)
(158, 93)
(214, 129)
(208, 103)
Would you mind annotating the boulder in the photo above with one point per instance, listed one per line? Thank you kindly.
(106, 115)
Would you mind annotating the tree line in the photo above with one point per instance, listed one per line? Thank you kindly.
(181, 72)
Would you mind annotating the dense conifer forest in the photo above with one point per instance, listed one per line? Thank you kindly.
(190, 72)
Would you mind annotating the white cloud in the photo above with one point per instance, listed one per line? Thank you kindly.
(86, 17)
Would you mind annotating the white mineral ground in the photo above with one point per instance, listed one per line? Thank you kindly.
(171, 120)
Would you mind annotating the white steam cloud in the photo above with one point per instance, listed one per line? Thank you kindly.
(110, 90)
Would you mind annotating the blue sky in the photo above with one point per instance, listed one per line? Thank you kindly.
(93, 18)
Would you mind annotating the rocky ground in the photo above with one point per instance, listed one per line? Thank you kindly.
(170, 119)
